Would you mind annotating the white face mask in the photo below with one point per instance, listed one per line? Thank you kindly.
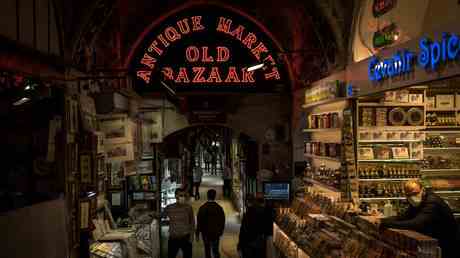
(415, 200)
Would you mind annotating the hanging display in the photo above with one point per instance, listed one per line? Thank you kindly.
(116, 128)
(85, 169)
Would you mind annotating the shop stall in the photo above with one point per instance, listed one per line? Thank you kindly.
(407, 103)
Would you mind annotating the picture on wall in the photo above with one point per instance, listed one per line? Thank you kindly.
(130, 168)
(85, 168)
(115, 128)
(145, 167)
(116, 172)
(120, 152)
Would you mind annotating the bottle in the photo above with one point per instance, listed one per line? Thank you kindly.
(388, 209)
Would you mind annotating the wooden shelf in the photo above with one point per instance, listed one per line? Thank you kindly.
(443, 127)
(387, 141)
(440, 170)
(381, 198)
(447, 191)
(392, 128)
(322, 130)
(385, 179)
(388, 160)
(443, 148)
(389, 104)
(323, 186)
(441, 109)
(322, 157)
(323, 102)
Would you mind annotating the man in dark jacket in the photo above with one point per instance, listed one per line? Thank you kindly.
(429, 215)
(253, 230)
(211, 225)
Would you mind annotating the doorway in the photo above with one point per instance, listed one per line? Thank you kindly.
(224, 158)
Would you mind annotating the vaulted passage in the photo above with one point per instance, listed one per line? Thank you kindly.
(254, 129)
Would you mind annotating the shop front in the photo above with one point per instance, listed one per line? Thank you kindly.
(408, 120)
(395, 119)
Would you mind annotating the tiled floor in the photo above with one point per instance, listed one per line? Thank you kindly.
(230, 238)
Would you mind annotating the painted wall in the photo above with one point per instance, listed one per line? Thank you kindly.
(413, 18)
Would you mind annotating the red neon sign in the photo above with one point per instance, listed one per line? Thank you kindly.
(205, 55)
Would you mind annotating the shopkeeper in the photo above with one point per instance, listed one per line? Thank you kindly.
(429, 215)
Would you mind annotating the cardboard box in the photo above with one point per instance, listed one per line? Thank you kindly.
(445, 101)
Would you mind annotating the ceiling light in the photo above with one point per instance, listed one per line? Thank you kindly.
(255, 67)
(168, 88)
(21, 101)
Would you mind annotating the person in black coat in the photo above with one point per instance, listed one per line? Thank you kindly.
(211, 225)
(253, 230)
(430, 215)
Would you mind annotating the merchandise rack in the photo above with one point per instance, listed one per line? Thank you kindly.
(410, 143)
(322, 136)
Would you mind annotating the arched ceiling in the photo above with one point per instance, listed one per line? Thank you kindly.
(101, 33)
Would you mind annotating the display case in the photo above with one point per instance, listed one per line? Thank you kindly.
(324, 147)
(389, 146)
(441, 165)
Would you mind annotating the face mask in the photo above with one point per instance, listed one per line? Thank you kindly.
(415, 200)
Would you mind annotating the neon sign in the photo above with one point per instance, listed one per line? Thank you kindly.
(432, 55)
(206, 63)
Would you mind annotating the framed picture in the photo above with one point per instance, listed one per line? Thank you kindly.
(145, 167)
(100, 140)
(100, 166)
(85, 169)
(116, 128)
(71, 116)
(116, 172)
(130, 168)
(84, 214)
(120, 152)
(116, 199)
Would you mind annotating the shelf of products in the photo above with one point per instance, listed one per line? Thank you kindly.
(389, 160)
(389, 104)
(390, 146)
(392, 128)
(381, 198)
(321, 130)
(322, 228)
(323, 102)
(322, 157)
(324, 185)
(324, 120)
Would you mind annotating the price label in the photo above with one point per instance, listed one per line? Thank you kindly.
(457, 140)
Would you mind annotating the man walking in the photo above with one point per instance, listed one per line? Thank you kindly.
(197, 176)
(227, 189)
(181, 226)
(211, 224)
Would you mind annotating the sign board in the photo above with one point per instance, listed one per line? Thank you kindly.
(431, 57)
(206, 47)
